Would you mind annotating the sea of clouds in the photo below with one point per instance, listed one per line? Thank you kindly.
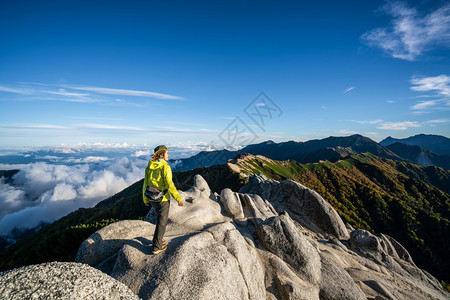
(54, 182)
(42, 192)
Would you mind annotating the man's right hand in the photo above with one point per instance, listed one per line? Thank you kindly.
(180, 203)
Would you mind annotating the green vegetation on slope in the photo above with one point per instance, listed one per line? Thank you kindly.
(379, 195)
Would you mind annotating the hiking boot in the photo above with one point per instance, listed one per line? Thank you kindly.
(156, 251)
(163, 240)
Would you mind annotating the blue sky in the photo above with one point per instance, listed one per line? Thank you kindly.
(180, 72)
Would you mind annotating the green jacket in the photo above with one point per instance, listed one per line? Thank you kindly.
(159, 175)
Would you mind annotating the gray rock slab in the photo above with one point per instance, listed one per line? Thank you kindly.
(108, 240)
(300, 200)
(283, 283)
(396, 286)
(336, 283)
(281, 237)
(61, 280)
(216, 263)
(231, 203)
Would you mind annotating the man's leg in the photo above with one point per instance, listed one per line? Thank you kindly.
(162, 212)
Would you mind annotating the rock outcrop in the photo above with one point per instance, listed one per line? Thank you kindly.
(305, 204)
(61, 280)
(272, 240)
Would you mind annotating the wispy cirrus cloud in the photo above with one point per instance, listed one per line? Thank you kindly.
(438, 121)
(33, 91)
(30, 92)
(63, 92)
(437, 87)
(399, 125)
(186, 123)
(32, 126)
(109, 127)
(169, 129)
(411, 33)
(124, 92)
(94, 126)
(21, 91)
(438, 84)
(377, 121)
(349, 89)
(97, 118)
(424, 105)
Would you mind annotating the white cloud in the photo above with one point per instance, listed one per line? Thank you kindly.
(102, 183)
(96, 118)
(87, 159)
(439, 84)
(15, 90)
(31, 93)
(11, 166)
(410, 33)
(71, 93)
(63, 191)
(399, 125)
(124, 92)
(425, 105)
(173, 129)
(187, 123)
(140, 153)
(42, 193)
(33, 126)
(11, 198)
(377, 121)
(438, 121)
(63, 92)
(110, 127)
(347, 90)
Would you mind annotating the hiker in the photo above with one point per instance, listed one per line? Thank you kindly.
(158, 187)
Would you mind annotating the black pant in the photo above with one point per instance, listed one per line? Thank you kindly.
(162, 213)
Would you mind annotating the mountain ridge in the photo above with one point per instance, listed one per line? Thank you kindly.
(436, 143)
(302, 152)
(419, 155)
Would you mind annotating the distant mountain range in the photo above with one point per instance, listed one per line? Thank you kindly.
(331, 149)
(419, 155)
(435, 143)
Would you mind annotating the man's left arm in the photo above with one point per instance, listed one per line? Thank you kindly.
(171, 187)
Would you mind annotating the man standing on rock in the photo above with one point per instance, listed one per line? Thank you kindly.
(158, 186)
